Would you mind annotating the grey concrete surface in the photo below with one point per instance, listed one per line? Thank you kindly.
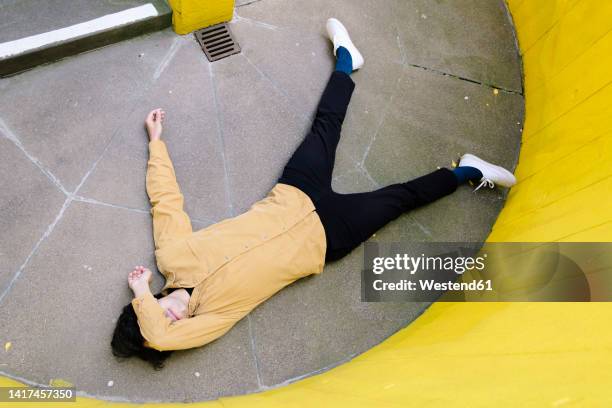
(27, 207)
(75, 215)
(191, 134)
(91, 95)
(467, 38)
(25, 18)
(58, 331)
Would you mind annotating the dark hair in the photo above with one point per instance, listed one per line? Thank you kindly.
(128, 341)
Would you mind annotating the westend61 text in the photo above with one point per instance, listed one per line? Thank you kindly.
(429, 284)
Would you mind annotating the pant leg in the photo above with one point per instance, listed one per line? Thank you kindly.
(311, 166)
(350, 219)
(169, 219)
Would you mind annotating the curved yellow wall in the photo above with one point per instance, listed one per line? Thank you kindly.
(511, 354)
(565, 189)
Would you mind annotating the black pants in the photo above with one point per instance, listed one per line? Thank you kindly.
(350, 219)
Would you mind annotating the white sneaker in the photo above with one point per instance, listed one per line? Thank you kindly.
(340, 37)
(491, 174)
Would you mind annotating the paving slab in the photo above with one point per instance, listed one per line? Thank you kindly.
(35, 32)
(414, 139)
(468, 38)
(23, 18)
(69, 111)
(185, 90)
(308, 51)
(472, 39)
(259, 126)
(27, 208)
(61, 313)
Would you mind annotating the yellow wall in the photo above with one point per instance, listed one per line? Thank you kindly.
(191, 15)
(565, 189)
(510, 354)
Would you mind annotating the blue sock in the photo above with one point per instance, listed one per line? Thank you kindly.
(465, 173)
(344, 61)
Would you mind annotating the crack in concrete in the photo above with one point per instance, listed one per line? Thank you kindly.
(105, 204)
(176, 45)
(221, 139)
(404, 62)
(277, 87)
(246, 3)
(255, 22)
(95, 164)
(365, 172)
(356, 170)
(93, 201)
(381, 121)
(422, 227)
(465, 79)
(304, 35)
(400, 46)
(310, 373)
(10, 135)
(47, 232)
(254, 353)
(516, 44)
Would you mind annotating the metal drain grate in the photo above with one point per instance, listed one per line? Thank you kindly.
(217, 42)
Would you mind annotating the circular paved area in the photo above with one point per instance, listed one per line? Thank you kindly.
(75, 213)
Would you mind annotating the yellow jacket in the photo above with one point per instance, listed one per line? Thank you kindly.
(233, 265)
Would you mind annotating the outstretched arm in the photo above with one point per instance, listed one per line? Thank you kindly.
(169, 219)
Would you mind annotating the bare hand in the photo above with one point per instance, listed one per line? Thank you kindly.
(138, 280)
(153, 123)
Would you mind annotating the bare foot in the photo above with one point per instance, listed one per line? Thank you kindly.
(153, 123)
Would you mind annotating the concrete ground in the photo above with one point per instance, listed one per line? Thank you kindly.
(34, 32)
(440, 79)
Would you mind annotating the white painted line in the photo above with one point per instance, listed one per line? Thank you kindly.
(106, 22)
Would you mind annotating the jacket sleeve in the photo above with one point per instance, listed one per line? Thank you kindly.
(169, 218)
(161, 333)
